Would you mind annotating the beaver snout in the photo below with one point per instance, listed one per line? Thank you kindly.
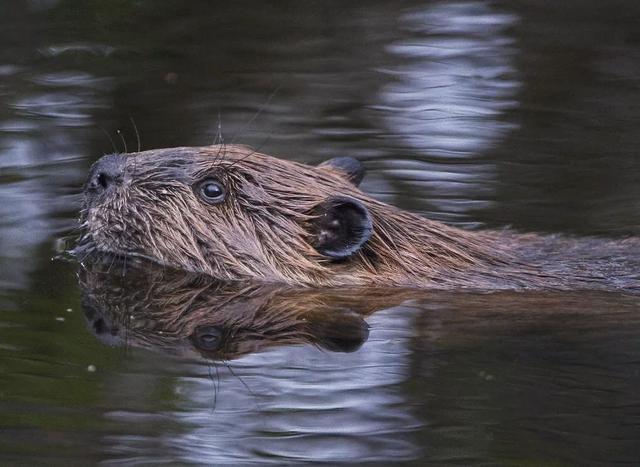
(105, 174)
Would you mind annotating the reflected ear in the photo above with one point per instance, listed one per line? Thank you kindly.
(352, 169)
(339, 330)
(341, 227)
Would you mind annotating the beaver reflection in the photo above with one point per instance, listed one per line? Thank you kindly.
(174, 311)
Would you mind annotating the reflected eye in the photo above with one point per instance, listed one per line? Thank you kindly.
(212, 191)
(207, 338)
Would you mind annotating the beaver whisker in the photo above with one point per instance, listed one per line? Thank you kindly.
(218, 156)
(87, 246)
(113, 261)
(246, 126)
(113, 144)
(233, 373)
(218, 138)
(137, 133)
(255, 151)
(124, 143)
(135, 165)
(86, 250)
(257, 114)
(215, 383)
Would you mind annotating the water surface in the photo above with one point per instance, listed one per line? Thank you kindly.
(477, 113)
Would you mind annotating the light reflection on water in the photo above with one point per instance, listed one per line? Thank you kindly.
(455, 80)
(251, 400)
(452, 82)
(441, 375)
(355, 394)
(478, 113)
(38, 138)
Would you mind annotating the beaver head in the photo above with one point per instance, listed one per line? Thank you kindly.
(235, 214)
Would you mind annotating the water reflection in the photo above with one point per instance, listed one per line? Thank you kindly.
(453, 81)
(325, 401)
(46, 111)
(172, 311)
(363, 375)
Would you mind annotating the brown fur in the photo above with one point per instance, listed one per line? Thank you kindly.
(261, 231)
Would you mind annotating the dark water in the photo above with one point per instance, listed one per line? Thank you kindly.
(481, 114)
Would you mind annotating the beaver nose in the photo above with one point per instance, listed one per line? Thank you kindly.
(105, 173)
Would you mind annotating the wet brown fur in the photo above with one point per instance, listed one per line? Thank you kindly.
(261, 231)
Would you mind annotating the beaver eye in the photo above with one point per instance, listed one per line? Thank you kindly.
(212, 191)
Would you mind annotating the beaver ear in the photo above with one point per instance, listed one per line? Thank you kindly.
(351, 168)
(341, 226)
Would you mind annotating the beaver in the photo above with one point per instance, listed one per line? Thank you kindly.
(235, 214)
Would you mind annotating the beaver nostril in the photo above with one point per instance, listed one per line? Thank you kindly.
(105, 173)
(100, 182)
(104, 180)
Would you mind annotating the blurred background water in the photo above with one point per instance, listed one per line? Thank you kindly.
(478, 113)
